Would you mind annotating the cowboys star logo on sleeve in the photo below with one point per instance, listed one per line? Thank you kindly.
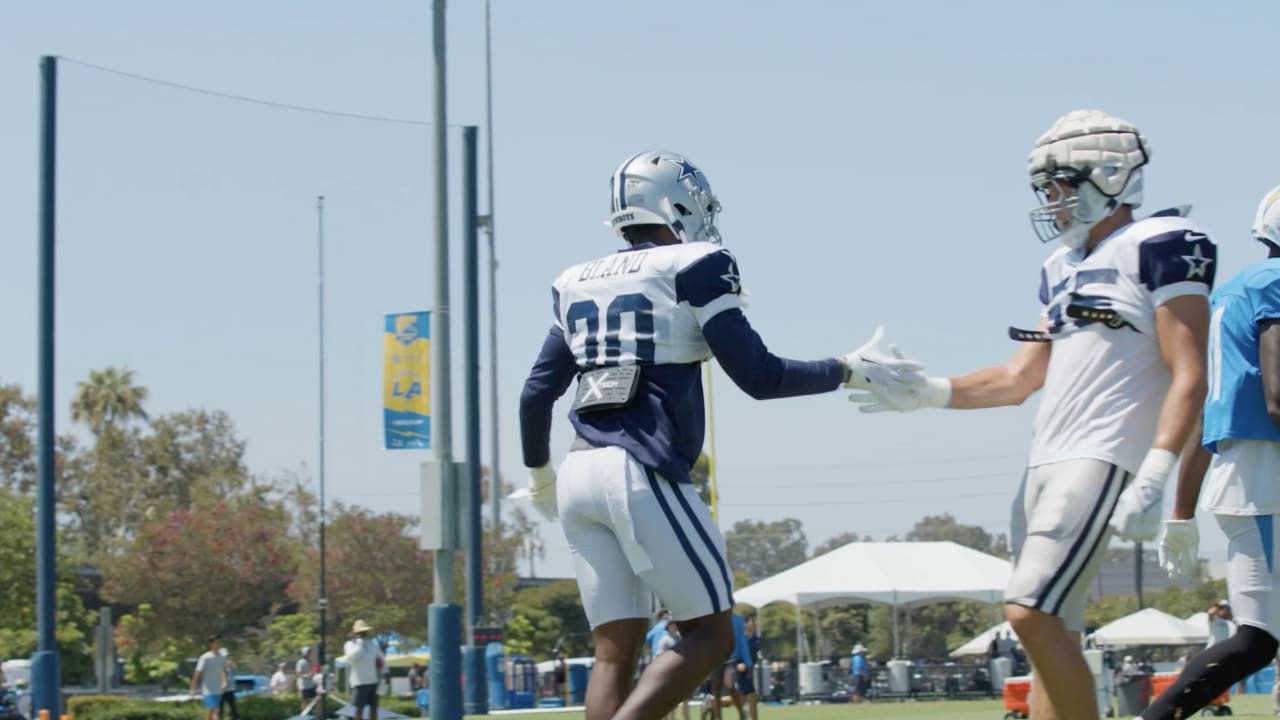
(1197, 263)
(732, 277)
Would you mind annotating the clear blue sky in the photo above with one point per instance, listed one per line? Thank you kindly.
(869, 156)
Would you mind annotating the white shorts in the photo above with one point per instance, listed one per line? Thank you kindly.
(1251, 570)
(1060, 533)
(633, 532)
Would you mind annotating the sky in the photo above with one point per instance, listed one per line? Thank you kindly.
(870, 159)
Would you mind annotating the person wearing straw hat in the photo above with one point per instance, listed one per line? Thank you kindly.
(364, 657)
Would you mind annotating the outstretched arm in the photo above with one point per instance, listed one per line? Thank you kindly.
(551, 375)
(1008, 384)
(996, 386)
(760, 373)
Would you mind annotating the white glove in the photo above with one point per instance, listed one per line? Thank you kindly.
(541, 491)
(1179, 547)
(935, 392)
(1137, 514)
(869, 367)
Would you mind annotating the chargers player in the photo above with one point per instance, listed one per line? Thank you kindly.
(1120, 355)
(633, 327)
(1241, 419)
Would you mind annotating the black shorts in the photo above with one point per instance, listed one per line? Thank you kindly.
(729, 674)
(309, 693)
(365, 695)
(860, 685)
(746, 682)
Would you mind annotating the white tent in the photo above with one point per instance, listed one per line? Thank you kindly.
(980, 644)
(901, 574)
(1149, 627)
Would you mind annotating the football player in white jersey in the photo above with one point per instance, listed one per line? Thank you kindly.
(1120, 355)
(633, 327)
(1241, 428)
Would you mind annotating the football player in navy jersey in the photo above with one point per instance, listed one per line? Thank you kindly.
(1119, 355)
(1241, 428)
(633, 327)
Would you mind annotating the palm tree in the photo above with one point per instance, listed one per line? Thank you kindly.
(108, 397)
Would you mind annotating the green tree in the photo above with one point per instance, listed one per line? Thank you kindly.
(149, 653)
(216, 569)
(102, 496)
(193, 458)
(18, 592)
(838, 542)
(700, 475)
(518, 636)
(17, 429)
(375, 571)
(945, 527)
(286, 635)
(761, 549)
(108, 398)
(554, 611)
(531, 545)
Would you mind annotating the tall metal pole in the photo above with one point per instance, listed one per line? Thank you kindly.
(324, 594)
(476, 701)
(441, 432)
(495, 481)
(1137, 573)
(444, 616)
(46, 677)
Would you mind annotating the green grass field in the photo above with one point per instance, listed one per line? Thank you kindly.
(1251, 706)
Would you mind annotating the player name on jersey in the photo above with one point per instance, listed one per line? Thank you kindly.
(620, 264)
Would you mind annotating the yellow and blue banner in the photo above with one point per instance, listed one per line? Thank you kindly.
(406, 381)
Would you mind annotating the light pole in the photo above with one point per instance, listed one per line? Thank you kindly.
(323, 600)
(487, 224)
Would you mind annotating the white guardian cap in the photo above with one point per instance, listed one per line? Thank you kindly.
(1266, 223)
(1083, 168)
(663, 188)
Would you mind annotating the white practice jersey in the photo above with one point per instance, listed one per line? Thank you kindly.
(1106, 380)
(647, 305)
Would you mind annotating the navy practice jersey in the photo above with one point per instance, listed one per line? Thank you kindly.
(665, 309)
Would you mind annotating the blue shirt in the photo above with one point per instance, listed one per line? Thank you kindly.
(654, 635)
(858, 666)
(741, 647)
(1235, 407)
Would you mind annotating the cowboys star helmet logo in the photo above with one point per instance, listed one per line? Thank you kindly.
(687, 171)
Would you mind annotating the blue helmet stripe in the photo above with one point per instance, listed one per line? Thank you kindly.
(620, 185)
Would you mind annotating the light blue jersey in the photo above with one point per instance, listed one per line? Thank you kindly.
(1235, 407)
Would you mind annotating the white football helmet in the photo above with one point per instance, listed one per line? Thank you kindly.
(1266, 223)
(663, 188)
(1092, 162)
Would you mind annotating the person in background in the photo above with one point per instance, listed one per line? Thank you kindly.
(365, 660)
(746, 669)
(861, 673)
(670, 638)
(306, 679)
(210, 676)
(415, 678)
(229, 687)
(280, 680)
